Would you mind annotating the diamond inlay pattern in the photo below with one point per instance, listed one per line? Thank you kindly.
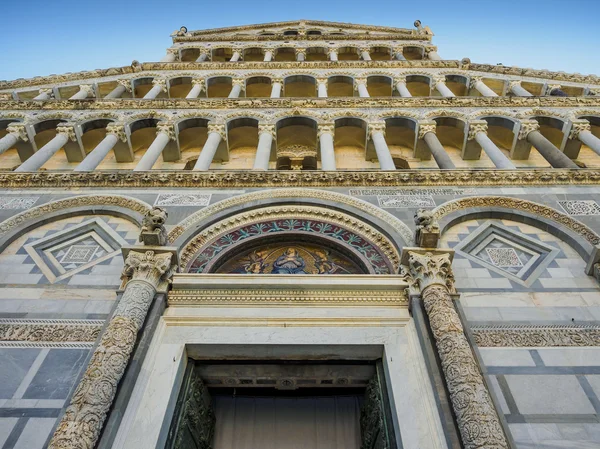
(504, 257)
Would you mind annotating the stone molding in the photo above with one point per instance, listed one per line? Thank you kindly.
(48, 330)
(291, 178)
(486, 202)
(523, 336)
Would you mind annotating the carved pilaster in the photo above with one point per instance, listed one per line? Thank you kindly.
(477, 419)
(578, 126)
(427, 126)
(82, 422)
(474, 81)
(527, 127)
(118, 129)
(477, 126)
(67, 129)
(19, 130)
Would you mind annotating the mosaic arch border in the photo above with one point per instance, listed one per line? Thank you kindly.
(194, 221)
(374, 241)
(118, 205)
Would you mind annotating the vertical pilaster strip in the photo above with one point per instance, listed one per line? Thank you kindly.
(479, 426)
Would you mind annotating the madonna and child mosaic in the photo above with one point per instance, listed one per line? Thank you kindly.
(302, 256)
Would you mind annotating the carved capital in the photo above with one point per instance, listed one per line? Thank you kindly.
(474, 81)
(217, 128)
(19, 130)
(239, 82)
(322, 81)
(437, 79)
(204, 51)
(48, 91)
(398, 49)
(277, 79)
(399, 80)
(426, 269)
(426, 126)
(512, 84)
(160, 82)
(147, 266)
(429, 49)
(376, 127)
(117, 129)
(527, 127)
(595, 91)
(300, 51)
(199, 82)
(363, 49)
(167, 128)
(270, 129)
(326, 128)
(477, 126)
(68, 129)
(359, 81)
(88, 89)
(578, 126)
(333, 51)
(126, 84)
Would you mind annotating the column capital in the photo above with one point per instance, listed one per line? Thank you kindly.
(204, 51)
(423, 268)
(118, 130)
(277, 79)
(19, 130)
(399, 80)
(477, 126)
(358, 81)
(579, 126)
(398, 49)
(160, 82)
(327, 128)
(151, 264)
(68, 129)
(126, 83)
(367, 49)
(333, 50)
(474, 80)
(167, 128)
(173, 51)
(199, 82)
(426, 126)
(218, 128)
(266, 49)
(47, 90)
(514, 83)
(239, 82)
(429, 49)
(322, 81)
(376, 127)
(268, 129)
(300, 51)
(551, 87)
(436, 79)
(527, 127)
(88, 89)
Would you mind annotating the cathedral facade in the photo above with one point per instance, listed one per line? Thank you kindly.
(300, 234)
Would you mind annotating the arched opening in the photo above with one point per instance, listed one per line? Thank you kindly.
(258, 87)
(296, 144)
(586, 155)
(104, 89)
(218, 87)
(552, 128)
(92, 133)
(192, 134)
(501, 132)
(44, 132)
(381, 53)
(253, 54)
(285, 54)
(290, 33)
(221, 54)
(340, 86)
(348, 54)
(401, 137)
(350, 143)
(9, 160)
(379, 86)
(66, 92)
(142, 86)
(242, 138)
(317, 54)
(300, 86)
(180, 87)
(414, 53)
(418, 85)
(458, 84)
(189, 54)
(142, 134)
(314, 33)
(451, 133)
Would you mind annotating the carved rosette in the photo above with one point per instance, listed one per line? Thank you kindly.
(68, 130)
(18, 130)
(117, 129)
(269, 129)
(476, 415)
(477, 126)
(428, 126)
(217, 128)
(166, 128)
(82, 422)
(527, 127)
(579, 126)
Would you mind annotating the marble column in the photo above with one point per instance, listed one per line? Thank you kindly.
(85, 91)
(430, 275)
(322, 87)
(478, 132)
(277, 85)
(114, 132)
(439, 83)
(515, 88)
(399, 53)
(325, 135)
(400, 84)
(159, 85)
(477, 83)
(203, 55)
(45, 94)
(147, 270)
(556, 158)
(237, 85)
(198, 85)
(333, 55)
(300, 54)
(216, 133)
(122, 87)
(377, 133)
(237, 54)
(64, 133)
(165, 132)
(432, 54)
(266, 134)
(268, 54)
(360, 84)
(554, 90)
(171, 55)
(580, 129)
(427, 132)
(15, 133)
(365, 54)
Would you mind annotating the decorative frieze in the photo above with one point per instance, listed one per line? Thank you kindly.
(183, 199)
(580, 207)
(405, 201)
(17, 330)
(523, 336)
(17, 202)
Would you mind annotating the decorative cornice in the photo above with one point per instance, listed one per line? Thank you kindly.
(304, 37)
(519, 336)
(226, 178)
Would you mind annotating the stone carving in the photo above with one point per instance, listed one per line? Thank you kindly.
(50, 330)
(477, 419)
(68, 130)
(376, 127)
(199, 82)
(270, 129)
(162, 83)
(218, 128)
(527, 127)
(328, 128)
(117, 129)
(82, 422)
(166, 128)
(580, 207)
(427, 126)
(88, 89)
(550, 213)
(126, 83)
(239, 82)
(19, 130)
(153, 230)
(427, 229)
(517, 336)
(579, 126)
(183, 199)
(372, 418)
(477, 126)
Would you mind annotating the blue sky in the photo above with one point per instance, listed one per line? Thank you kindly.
(42, 37)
